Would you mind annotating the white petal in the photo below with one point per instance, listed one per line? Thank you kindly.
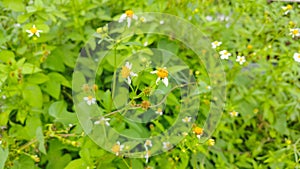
(128, 65)
(86, 98)
(158, 79)
(31, 34)
(135, 17)
(128, 22)
(154, 72)
(165, 81)
(133, 74)
(122, 18)
(37, 34)
(128, 80)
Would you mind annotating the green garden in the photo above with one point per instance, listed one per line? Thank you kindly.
(153, 84)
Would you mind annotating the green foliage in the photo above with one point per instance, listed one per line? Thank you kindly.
(39, 127)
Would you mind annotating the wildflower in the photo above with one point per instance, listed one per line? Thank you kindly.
(209, 18)
(241, 59)
(198, 131)
(249, 47)
(224, 54)
(167, 145)
(185, 134)
(143, 19)
(287, 9)
(127, 73)
(128, 15)
(105, 120)
(234, 113)
(211, 142)
(145, 104)
(215, 44)
(161, 22)
(33, 31)
(90, 100)
(162, 74)
(288, 141)
(159, 111)
(147, 143)
(208, 87)
(186, 119)
(295, 32)
(147, 155)
(146, 43)
(3, 97)
(117, 148)
(297, 57)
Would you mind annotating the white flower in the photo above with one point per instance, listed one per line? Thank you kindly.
(215, 44)
(186, 119)
(297, 57)
(185, 134)
(234, 113)
(167, 145)
(209, 18)
(127, 73)
(161, 22)
(90, 100)
(147, 156)
(105, 120)
(162, 74)
(3, 97)
(146, 43)
(159, 111)
(295, 32)
(208, 87)
(128, 15)
(0, 142)
(33, 31)
(241, 59)
(147, 143)
(117, 148)
(287, 9)
(224, 54)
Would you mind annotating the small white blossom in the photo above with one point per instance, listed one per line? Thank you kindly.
(187, 119)
(147, 143)
(167, 145)
(105, 120)
(297, 57)
(117, 148)
(128, 15)
(161, 22)
(234, 114)
(215, 44)
(90, 100)
(287, 9)
(33, 31)
(159, 111)
(241, 59)
(127, 73)
(224, 54)
(295, 32)
(209, 18)
(162, 74)
(3, 97)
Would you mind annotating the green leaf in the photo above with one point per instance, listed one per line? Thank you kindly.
(37, 78)
(40, 139)
(170, 46)
(58, 110)
(76, 164)
(33, 96)
(16, 5)
(6, 56)
(3, 156)
(28, 68)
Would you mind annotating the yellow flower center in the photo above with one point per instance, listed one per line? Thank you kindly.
(90, 98)
(211, 142)
(145, 104)
(125, 72)
(234, 113)
(226, 53)
(295, 31)
(289, 7)
(33, 30)
(241, 59)
(198, 131)
(162, 73)
(186, 119)
(148, 143)
(129, 13)
(216, 43)
(116, 148)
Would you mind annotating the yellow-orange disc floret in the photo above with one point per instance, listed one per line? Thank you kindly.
(295, 31)
(129, 13)
(125, 72)
(198, 131)
(116, 148)
(162, 73)
(33, 30)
